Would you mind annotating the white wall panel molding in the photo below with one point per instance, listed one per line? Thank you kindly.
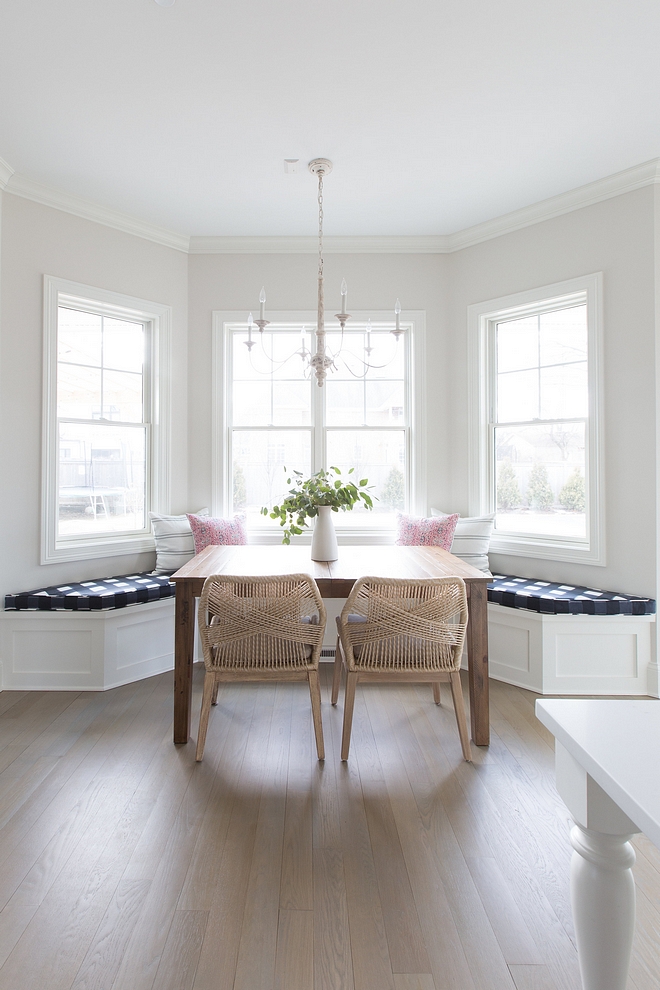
(310, 245)
(6, 172)
(19, 185)
(626, 181)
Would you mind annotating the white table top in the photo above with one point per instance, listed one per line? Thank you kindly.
(618, 744)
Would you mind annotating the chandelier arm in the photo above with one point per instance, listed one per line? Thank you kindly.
(273, 363)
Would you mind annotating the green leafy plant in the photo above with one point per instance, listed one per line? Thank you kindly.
(308, 494)
(508, 493)
(393, 491)
(572, 495)
(240, 489)
(539, 492)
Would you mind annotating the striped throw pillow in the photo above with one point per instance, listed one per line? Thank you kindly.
(472, 539)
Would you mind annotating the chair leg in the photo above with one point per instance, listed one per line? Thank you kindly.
(336, 674)
(207, 695)
(459, 708)
(349, 702)
(436, 692)
(214, 699)
(315, 695)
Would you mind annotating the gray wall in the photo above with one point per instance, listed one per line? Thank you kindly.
(616, 237)
(38, 240)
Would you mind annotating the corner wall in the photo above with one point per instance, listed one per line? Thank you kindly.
(617, 238)
(38, 240)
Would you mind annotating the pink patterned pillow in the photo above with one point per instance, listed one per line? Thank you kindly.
(208, 531)
(419, 531)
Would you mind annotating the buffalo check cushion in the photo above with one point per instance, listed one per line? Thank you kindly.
(563, 599)
(106, 593)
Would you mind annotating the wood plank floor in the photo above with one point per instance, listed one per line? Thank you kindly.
(126, 866)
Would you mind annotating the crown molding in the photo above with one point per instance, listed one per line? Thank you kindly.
(19, 185)
(626, 181)
(6, 172)
(648, 173)
(310, 245)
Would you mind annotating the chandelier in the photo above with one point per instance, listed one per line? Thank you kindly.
(321, 361)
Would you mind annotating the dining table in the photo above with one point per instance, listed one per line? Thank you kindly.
(334, 578)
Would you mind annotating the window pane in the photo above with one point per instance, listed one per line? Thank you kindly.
(344, 403)
(78, 392)
(564, 336)
(379, 456)
(102, 479)
(258, 471)
(291, 403)
(541, 485)
(384, 403)
(518, 396)
(78, 337)
(122, 396)
(517, 344)
(251, 401)
(564, 391)
(123, 345)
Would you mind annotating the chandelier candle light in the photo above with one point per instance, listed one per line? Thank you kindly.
(320, 361)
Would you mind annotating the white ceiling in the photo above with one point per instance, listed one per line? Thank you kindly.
(437, 115)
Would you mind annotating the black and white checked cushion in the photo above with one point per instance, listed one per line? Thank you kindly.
(563, 599)
(106, 593)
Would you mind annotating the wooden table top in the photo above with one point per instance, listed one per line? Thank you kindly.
(335, 578)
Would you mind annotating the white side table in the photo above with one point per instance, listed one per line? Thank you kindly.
(607, 756)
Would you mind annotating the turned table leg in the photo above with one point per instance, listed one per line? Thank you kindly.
(603, 899)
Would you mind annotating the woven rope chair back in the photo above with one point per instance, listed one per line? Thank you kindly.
(405, 624)
(261, 623)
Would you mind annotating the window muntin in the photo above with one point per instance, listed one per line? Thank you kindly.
(536, 403)
(106, 418)
(102, 425)
(358, 419)
(539, 431)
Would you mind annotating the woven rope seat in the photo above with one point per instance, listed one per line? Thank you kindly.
(402, 629)
(257, 628)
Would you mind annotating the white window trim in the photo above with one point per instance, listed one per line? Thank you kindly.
(58, 292)
(415, 326)
(481, 318)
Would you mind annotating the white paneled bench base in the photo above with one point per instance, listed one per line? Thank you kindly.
(571, 653)
(88, 636)
(87, 650)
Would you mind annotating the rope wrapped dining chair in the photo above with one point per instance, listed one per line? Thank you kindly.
(402, 629)
(261, 628)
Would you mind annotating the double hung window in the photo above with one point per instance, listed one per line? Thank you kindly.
(103, 422)
(274, 416)
(535, 359)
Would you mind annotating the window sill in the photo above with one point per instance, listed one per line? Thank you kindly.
(345, 537)
(102, 547)
(565, 550)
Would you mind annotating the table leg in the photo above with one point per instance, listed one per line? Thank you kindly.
(603, 897)
(477, 650)
(184, 636)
